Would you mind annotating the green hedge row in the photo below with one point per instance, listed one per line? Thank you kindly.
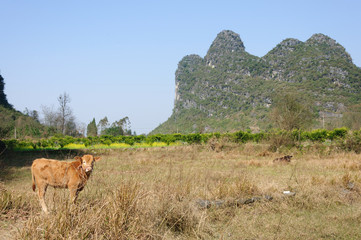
(319, 135)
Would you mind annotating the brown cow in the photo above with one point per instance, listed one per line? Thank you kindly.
(60, 174)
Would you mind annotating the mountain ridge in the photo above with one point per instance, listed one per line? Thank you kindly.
(230, 89)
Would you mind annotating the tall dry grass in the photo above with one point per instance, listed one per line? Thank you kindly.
(155, 193)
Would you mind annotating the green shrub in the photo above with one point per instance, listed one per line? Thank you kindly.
(194, 138)
(44, 143)
(35, 144)
(275, 137)
(10, 144)
(86, 142)
(242, 136)
(129, 140)
(319, 135)
(338, 133)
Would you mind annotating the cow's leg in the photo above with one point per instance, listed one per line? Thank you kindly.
(41, 193)
(73, 194)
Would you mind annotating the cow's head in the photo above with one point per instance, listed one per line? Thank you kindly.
(87, 162)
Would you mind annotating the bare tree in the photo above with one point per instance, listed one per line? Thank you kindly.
(50, 116)
(65, 113)
(81, 128)
(291, 110)
(62, 120)
(351, 118)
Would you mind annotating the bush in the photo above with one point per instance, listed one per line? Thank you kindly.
(168, 139)
(129, 140)
(257, 137)
(277, 138)
(319, 135)
(242, 136)
(338, 133)
(35, 144)
(44, 143)
(281, 139)
(106, 139)
(352, 142)
(194, 138)
(10, 144)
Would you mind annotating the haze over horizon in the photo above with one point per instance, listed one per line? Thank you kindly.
(118, 59)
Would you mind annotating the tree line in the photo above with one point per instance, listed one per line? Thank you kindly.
(117, 128)
(58, 121)
(289, 111)
(294, 136)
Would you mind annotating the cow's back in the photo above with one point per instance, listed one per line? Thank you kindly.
(52, 172)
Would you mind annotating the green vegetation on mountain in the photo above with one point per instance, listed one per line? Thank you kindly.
(14, 123)
(230, 89)
(3, 100)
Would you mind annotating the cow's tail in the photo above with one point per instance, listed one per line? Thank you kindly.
(33, 177)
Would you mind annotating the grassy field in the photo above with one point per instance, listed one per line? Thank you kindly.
(193, 192)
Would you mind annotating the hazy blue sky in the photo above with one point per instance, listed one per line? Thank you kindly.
(118, 58)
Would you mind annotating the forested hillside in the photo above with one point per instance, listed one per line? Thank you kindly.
(14, 124)
(3, 100)
(230, 89)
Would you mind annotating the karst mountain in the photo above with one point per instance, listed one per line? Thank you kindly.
(230, 89)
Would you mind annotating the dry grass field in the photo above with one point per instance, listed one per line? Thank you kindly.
(193, 192)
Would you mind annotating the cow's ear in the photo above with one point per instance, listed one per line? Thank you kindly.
(96, 158)
(78, 158)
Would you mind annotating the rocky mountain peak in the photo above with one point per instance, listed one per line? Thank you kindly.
(283, 50)
(320, 38)
(191, 59)
(290, 42)
(188, 64)
(225, 43)
(286, 46)
(325, 42)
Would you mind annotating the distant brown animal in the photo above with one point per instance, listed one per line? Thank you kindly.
(286, 158)
(60, 174)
